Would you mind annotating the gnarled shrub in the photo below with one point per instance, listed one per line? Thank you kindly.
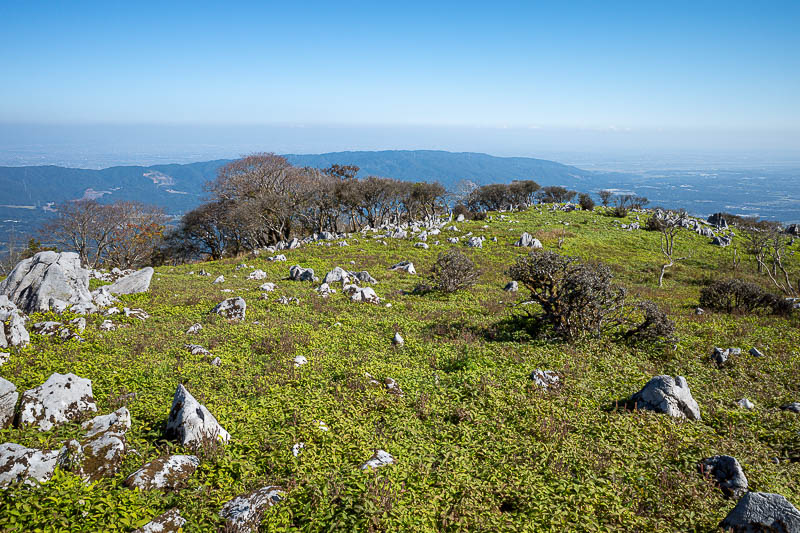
(742, 296)
(452, 271)
(578, 299)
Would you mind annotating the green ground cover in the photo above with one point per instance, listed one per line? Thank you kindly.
(478, 447)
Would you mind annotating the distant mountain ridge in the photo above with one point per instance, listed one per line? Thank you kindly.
(28, 193)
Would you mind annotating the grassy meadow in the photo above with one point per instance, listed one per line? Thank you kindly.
(477, 446)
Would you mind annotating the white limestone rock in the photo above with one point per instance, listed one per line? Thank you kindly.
(190, 423)
(134, 283)
(21, 464)
(164, 473)
(47, 277)
(60, 399)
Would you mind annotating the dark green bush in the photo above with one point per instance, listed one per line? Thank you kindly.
(742, 296)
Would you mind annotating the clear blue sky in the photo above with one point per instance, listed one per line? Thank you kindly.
(712, 66)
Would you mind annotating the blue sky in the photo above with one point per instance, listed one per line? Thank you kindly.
(721, 67)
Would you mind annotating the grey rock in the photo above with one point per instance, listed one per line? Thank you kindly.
(364, 294)
(511, 286)
(194, 328)
(164, 473)
(102, 297)
(298, 273)
(134, 283)
(118, 422)
(243, 514)
(762, 512)
(527, 241)
(21, 464)
(190, 423)
(268, 287)
(668, 395)
(8, 402)
(196, 349)
(475, 242)
(398, 340)
(727, 474)
(364, 277)
(45, 277)
(60, 399)
(169, 522)
(257, 274)
(12, 325)
(755, 352)
(231, 309)
(745, 403)
(337, 275)
(404, 266)
(422, 245)
(793, 407)
(47, 328)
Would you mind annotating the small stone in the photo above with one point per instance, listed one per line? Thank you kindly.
(299, 360)
(545, 378)
(379, 459)
(667, 395)
(220, 279)
(793, 407)
(194, 328)
(231, 309)
(169, 522)
(727, 474)
(511, 286)
(755, 352)
(398, 340)
(297, 448)
(744, 403)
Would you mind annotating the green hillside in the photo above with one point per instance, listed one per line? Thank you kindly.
(478, 447)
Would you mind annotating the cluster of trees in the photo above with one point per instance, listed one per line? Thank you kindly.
(122, 234)
(261, 199)
(517, 194)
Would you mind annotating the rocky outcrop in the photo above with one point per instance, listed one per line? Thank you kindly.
(60, 399)
(545, 379)
(527, 241)
(47, 280)
(134, 283)
(190, 423)
(404, 266)
(164, 473)
(243, 514)
(667, 395)
(762, 512)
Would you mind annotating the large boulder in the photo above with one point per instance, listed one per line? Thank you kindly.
(243, 514)
(667, 395)
(762, 512)
(169, 522)
(190, 423)
(18, 463)
(134, 283)
(337, 275)
(727, 473)
(8, 402)
(47, 280)
(164, 473)
(60, 399)
(231, 309)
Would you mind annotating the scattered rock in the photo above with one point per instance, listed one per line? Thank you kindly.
(135, 312)
(194, 328)
(216, 361)
(475, 242)
(379, 459)
(196, 349)
(296, 448)
(337, 275)
(8, 402)
(405, 266)
(257, 274)
(398, 340)
(48, 328)
(39, 282)
(545, 378)
(422, 245)
(511, 286)
(744, 403)
(18, 464)
(107, 325)
(267, 287)
(364, 294)
(12, 325)
(392, 387)
(699, 311)
(755, 352)
(102, 297)
(667, 395)
(527, 241)
(298, 273)
(231, 309)
(169, 522)
(164, 473)
(243, 514)
(134, 283)
(60, 399)
(220, 279)
(299, 360)
(762, 512)
(190, 423)
(793, 407)
(727, 474)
